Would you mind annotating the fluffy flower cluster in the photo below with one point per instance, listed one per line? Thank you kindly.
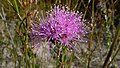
(61, 25)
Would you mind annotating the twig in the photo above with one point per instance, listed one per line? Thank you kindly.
(112, 47)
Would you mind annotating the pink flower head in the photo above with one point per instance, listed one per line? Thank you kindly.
(61, 24)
